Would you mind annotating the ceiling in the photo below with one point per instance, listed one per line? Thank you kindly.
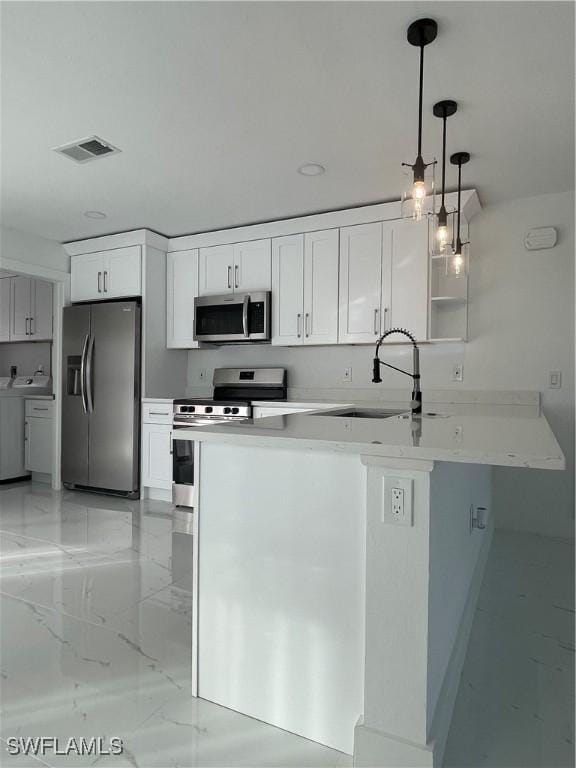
(216, 105)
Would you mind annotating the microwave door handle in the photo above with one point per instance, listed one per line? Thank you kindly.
(245, 304)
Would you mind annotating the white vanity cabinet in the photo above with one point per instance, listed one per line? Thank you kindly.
(235, 268)
(30, 309)
(157, 444)
(182, 287)
(38, 436)
(305, 288)
(110, 274)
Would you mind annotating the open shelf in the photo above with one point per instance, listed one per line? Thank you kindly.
(449, 299)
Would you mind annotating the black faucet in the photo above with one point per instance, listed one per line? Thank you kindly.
(416, 404)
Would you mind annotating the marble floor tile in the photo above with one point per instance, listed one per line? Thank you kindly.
(95, 640)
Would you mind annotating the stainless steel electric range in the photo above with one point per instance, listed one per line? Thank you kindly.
(234, 391)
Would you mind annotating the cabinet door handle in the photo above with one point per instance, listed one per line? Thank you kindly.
(307, 323)
(299, 325)
(376, 323)
(105, 281)
(99, 279)
(32, 326)
(384, 322)
(229, 277)
(26, 326)
(236, 276)
(26, 426)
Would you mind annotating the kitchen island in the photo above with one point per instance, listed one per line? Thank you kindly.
(339, 558)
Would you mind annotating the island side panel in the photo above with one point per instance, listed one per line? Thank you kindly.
(281, 587)
(458, 555)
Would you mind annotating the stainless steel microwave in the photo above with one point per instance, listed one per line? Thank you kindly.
(232, 317)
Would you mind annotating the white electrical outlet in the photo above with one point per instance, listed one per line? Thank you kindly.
(458, 372)
(347, 374)
(397, 507)
(202, 374)
(555, 380)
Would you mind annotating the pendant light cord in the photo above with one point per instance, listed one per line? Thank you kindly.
(458, 242)
(443, 158)
(421, 89)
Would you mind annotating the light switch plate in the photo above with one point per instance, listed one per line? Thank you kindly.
(555, 380)
(397, 502)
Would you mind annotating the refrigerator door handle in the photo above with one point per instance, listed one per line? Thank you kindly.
(83, 373)
(89, 361)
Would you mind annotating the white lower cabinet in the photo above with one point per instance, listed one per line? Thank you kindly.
(157, 445)
(38, 436)
(157, 456)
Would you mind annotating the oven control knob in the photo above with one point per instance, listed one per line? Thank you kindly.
(184, 409)
(208, 409)
(227, 410)
(191, 408)
(235, 410)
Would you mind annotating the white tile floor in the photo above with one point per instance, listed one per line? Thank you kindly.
(95, 641)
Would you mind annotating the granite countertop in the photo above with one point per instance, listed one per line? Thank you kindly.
(500, 435)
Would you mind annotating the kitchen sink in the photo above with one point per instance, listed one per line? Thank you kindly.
(365, 413)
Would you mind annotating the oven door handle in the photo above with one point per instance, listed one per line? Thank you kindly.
(245, 304)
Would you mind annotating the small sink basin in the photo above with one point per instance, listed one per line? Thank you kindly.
(365, 413)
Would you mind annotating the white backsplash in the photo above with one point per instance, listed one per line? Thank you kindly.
(28, 356)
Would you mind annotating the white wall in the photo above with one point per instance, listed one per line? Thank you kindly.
(28, 356)
(31, 249)
(521, 327)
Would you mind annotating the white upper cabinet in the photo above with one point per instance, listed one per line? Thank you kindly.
(305, 288)
(216, 267)
(30, 313)
(86, 277)
(287, 290)
(321, 287)
(5, 309)
(41, 310)
(252, 266)
(408, 302)
(241, 267)
(107, 274)
(20, 308)
(182, 287)
(360, 283)
(122, 273)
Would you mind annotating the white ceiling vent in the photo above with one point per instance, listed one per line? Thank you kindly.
(84, 150)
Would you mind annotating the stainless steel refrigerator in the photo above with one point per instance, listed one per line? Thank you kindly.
(101, 397)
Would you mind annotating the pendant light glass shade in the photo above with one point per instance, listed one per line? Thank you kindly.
(418, 198)
(443, 110)
(458, 260)
(414, 204)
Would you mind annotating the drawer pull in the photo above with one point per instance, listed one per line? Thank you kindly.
(158, 413)
(39, 409)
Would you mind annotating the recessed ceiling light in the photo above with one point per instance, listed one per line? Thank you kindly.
(311, 169)
(94, 215)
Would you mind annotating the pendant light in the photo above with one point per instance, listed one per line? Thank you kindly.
(457, 262)
(444, 110)
(420, 33)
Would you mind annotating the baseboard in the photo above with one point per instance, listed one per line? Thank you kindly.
(157, 494)
(42, 477)
(449, 691)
